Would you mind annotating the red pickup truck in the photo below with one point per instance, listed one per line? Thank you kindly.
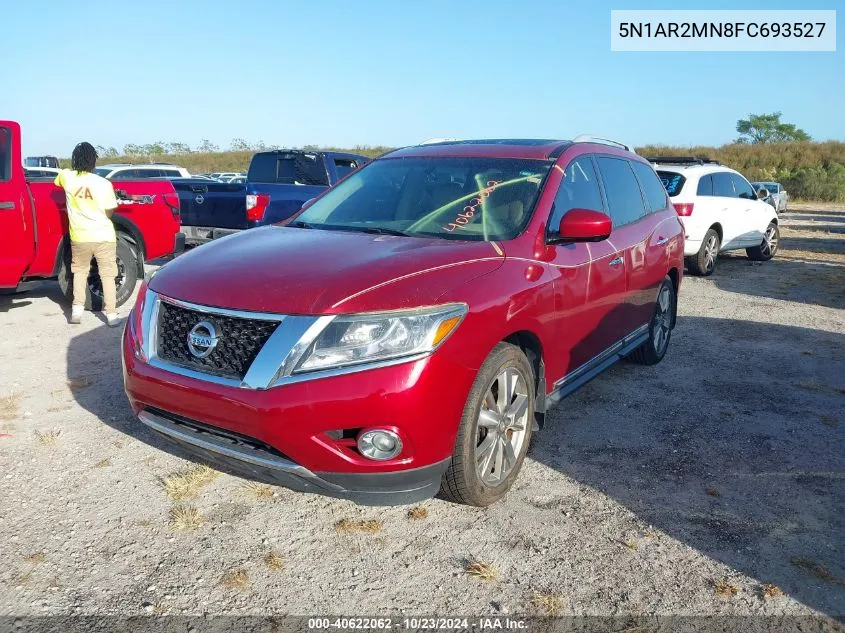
(34, 241)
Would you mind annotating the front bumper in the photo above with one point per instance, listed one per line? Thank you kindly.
(302, 435)
(250, 460)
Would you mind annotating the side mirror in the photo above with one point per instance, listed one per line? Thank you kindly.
(762, 194)
(583, 225)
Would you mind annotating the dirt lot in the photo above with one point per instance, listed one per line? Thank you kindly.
(713, 483)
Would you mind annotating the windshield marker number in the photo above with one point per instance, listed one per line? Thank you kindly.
(469, 210)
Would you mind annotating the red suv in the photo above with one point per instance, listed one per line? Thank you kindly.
(407, 330)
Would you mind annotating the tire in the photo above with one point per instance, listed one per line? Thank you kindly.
(127, 266)
(465, 480)
(660, 328)
(703, 263)
(768, 247)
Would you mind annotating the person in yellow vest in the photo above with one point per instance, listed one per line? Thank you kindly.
(90, 204)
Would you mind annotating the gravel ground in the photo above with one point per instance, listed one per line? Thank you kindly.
(711, 483)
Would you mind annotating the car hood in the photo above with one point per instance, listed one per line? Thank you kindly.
(309, 271)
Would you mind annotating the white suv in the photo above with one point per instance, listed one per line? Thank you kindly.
(125, 171)
(719, 210)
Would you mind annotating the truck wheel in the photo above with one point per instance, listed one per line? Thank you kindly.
(495, 430)
(127, 277)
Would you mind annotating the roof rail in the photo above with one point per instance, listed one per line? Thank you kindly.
(682, 160)
(589, 138)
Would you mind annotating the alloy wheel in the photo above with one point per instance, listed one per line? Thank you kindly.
(711, 251)
(662, 323)
(770, 242)
(502, 426)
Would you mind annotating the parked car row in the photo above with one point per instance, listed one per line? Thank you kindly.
(397, 328)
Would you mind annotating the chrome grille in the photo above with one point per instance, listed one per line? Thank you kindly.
(239, 340)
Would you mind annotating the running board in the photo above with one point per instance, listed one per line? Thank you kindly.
(589, 370)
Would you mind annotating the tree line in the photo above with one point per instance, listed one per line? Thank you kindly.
(767, 149)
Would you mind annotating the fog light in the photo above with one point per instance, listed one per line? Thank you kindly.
(379, 444)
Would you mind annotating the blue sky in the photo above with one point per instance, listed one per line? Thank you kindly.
(380, 72)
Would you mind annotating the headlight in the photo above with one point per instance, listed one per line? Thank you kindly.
(368, 338)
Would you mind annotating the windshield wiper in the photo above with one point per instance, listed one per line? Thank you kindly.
(299, 224)
(378, 230)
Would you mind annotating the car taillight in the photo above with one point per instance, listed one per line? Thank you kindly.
(172, 201)
(684, 209)
(256, 205)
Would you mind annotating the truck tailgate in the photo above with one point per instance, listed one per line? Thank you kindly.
(285, 200)
(207, 203)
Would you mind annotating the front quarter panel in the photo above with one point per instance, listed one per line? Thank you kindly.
(517, 297)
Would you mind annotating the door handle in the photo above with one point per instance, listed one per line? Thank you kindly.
(662, 240)
(616, 262)
(7, 204)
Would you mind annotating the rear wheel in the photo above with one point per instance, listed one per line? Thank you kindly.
(660, 329)
(704, 262)
(768, 247)
(495, 430)
(127, 277)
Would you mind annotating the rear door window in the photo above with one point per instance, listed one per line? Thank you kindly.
(343, 166)
(742, 187)
(5, 154)
(705, 186)
(655, 194)
(624, 200)
(579, 189)
(292, 169)
(672, 181)
(722, 185)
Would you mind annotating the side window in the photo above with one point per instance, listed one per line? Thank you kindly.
(624, 199)
(309, 170)
(655, 194)
(705, 186)
(743, 188)
(172, 173)
(578, 190)
(343, 166)
(5, 154)
(124, 174)
(722, 185)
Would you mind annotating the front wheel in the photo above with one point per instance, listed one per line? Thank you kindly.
(495, 430)
(768, 247)
(127, 277)
(660, 328)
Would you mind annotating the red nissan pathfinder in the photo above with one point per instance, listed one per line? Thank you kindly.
(405, 332)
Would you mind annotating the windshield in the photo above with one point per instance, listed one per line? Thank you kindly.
(771, 186)
(453, 198)
(102, 171)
